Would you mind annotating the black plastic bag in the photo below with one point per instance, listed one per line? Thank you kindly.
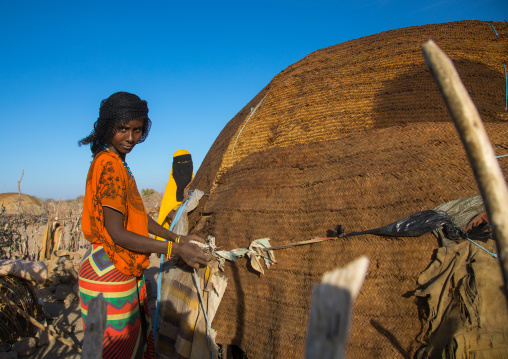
(417, 225)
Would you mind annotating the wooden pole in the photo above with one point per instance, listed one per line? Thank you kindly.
(19, 189)
(331, 308)
(45, 239)
(94, 328)
(476, 142)
(39, 325)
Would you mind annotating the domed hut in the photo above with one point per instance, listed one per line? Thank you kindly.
(9, 202)
(355, 134)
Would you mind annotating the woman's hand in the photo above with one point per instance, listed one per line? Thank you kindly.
(191, 237)
(190, 253)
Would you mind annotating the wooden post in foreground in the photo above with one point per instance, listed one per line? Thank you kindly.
(94, 328)
(331, 308)
(479, 150)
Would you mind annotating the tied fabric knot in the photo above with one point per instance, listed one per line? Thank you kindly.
(255, 252)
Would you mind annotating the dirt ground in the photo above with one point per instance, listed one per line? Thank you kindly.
(65, 317)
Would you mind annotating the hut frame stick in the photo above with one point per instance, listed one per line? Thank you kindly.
(480, 152)
(19, 189)
(39, 325)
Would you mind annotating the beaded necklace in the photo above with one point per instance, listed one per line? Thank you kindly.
(124, 163)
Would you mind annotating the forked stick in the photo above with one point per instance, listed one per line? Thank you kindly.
(479, 150)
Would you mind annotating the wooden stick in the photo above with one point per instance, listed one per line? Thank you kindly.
(19, 189)
(57, 238)
(331, 308)
(479, 150)
(94, 329)
(39, 325)
(44, 242)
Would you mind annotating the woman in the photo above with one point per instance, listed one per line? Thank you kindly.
(115, 222)
(179, 179)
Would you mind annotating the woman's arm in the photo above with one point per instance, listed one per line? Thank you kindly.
(158, 230)
(189, 252)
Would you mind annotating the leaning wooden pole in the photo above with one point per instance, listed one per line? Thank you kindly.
(479, 150)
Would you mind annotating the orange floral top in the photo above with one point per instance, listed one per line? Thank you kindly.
(109, 184)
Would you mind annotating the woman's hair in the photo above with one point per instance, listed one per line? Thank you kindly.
(117, 109)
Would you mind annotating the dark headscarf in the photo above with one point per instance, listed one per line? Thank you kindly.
(182, 173)
(117, 109)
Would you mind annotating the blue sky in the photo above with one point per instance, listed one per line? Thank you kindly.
(197, 63)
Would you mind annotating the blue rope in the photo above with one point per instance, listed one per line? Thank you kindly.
(492, 254)
(494, 29)
(501, 156)
(159, 278)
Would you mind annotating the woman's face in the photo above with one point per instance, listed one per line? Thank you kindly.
(126, 137)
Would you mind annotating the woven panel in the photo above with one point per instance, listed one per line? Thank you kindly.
(355, 134)
(372, 82)
(295, 193)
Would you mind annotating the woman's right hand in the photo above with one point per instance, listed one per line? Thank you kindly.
(191, 254)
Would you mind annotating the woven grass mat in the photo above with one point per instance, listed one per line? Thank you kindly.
(353, 134)
(369, 83)
(295, 193)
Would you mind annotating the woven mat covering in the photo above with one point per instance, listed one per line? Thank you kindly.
(372, 82)
(354, 134)
(296, 193)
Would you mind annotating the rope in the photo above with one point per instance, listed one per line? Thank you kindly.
(494, 29)
(501, 156)
(251, 113)
(492, 254)
(289, 245)
(159, 278)
(209, 327)
(317, 240)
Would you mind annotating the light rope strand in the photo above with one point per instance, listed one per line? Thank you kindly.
(494, 29)
(492, 254)
(251, 113)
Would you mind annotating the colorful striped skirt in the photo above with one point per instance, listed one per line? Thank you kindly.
(128, 331)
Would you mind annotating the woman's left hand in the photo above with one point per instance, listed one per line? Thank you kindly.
(191, 237)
